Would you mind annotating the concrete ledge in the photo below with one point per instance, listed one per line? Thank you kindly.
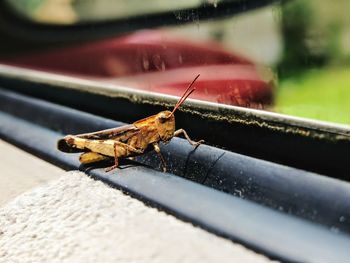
(21, 171)
(78, 219)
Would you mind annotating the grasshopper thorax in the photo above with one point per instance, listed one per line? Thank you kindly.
(165, 123)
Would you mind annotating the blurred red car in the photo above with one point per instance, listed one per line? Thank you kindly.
(155, 61)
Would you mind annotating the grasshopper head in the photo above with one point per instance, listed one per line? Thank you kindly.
(165, 120)
(165, 123)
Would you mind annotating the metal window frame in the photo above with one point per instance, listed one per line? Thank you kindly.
(306, 144)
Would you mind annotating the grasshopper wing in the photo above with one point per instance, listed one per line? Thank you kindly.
(114, 133)
(121, 134)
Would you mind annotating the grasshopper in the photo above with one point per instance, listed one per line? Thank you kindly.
(129, 140)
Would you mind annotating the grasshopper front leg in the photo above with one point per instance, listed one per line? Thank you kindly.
(157, 150)
(193, 143)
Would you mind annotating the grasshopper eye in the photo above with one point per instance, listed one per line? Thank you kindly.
(162, 119)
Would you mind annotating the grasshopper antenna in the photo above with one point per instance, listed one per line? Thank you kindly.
(185, 95)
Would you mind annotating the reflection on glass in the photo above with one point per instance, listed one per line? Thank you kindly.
(302, 45)
(73, 11)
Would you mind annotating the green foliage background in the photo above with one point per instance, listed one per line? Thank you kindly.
(314, 73)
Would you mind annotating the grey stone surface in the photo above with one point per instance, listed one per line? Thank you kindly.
(78, 219)
(21, 171)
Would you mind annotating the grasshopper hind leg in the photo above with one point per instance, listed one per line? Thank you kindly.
(116, 164)
(127, 149)
(116, 161)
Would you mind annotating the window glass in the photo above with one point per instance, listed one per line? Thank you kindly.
(291, 57)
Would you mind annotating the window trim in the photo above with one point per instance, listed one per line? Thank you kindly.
(302, 143)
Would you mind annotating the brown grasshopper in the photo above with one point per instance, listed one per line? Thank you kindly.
(129, 140)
